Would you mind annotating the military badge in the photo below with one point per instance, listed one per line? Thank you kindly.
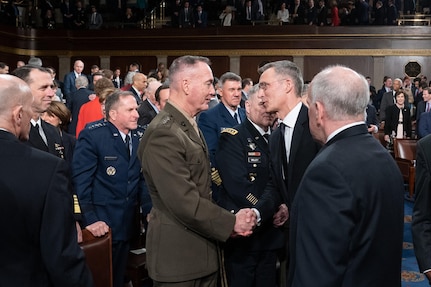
(60, 150)
(111, 171)
(230, 131)
(251, 145)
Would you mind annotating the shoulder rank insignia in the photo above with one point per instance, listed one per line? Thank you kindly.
(230, 131)
(97, 124)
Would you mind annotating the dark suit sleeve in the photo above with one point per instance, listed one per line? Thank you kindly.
(421, 225)
(323, 200)
(84, 167)
(211, 133)
(62, 255)
(67, 88)
(423, 125)
(389, 120)
(231, 161)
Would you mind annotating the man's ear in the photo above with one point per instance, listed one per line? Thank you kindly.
(186, 86)
(113, 114)
(17, 114)
(320, 111)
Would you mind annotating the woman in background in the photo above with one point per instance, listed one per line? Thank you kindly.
(59, 115)
(398, 122)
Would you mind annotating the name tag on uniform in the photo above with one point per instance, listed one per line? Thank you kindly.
(110, 157)
(253, 157)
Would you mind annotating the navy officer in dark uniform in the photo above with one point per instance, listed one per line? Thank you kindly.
(107, 177)
(243, 161)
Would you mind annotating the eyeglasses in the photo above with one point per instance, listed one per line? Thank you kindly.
(265, 85)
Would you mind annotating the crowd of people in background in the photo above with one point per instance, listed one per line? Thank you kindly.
(244, 159)
(79, 14)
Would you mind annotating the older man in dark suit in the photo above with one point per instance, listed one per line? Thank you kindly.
(346, 227)
(421, 224)
(69, 79)
(291, 145)
(40, 247)
(148, 109)
(43, 135)
(77, 99)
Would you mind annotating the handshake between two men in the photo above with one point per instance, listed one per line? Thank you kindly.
(247, 219)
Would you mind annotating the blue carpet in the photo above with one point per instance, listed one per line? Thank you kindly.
(410, 275)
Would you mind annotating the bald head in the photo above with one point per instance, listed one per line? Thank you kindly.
(140, 81)
(150, 91)
(15, 106)
(343, 92)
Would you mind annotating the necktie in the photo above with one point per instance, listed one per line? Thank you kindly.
(428, 107)
(283, 148)
(235, 116)
(266, 136)
(128, 145)
(186, 11)
(37, 137)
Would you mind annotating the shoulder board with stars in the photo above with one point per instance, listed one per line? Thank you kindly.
(96, 125)
(230, 131)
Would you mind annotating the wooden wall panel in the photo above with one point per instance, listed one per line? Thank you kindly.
(394, 65)
(250, 64)
(219, 64)
(313, 65)
(147, 63)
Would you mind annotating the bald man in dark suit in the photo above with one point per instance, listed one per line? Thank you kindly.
(40, 247)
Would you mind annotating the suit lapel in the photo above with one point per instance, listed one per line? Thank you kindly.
(297, 132)
(224, 113)
(118, 141)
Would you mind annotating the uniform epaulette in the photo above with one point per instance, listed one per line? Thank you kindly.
(165, 120)
(96, 125)
(230, 131)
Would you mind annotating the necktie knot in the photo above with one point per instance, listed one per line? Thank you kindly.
(235, 116)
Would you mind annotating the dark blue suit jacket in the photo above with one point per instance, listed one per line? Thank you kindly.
(302, 151)
(69, 84)
(76, 100)
(215, 120)
(346, 225)
(424, 127)
(106, 181)
(137, 97)
(243, 162)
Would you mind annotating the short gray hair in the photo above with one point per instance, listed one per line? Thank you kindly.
(289, 69)
(343, 92)
(81, 82)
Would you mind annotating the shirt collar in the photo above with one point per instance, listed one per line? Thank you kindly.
(290, 119)
(339, 130)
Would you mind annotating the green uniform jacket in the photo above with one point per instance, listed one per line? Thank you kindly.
(185, 224)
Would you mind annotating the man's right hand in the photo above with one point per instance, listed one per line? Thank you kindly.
(98, 228)
(245, 222)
